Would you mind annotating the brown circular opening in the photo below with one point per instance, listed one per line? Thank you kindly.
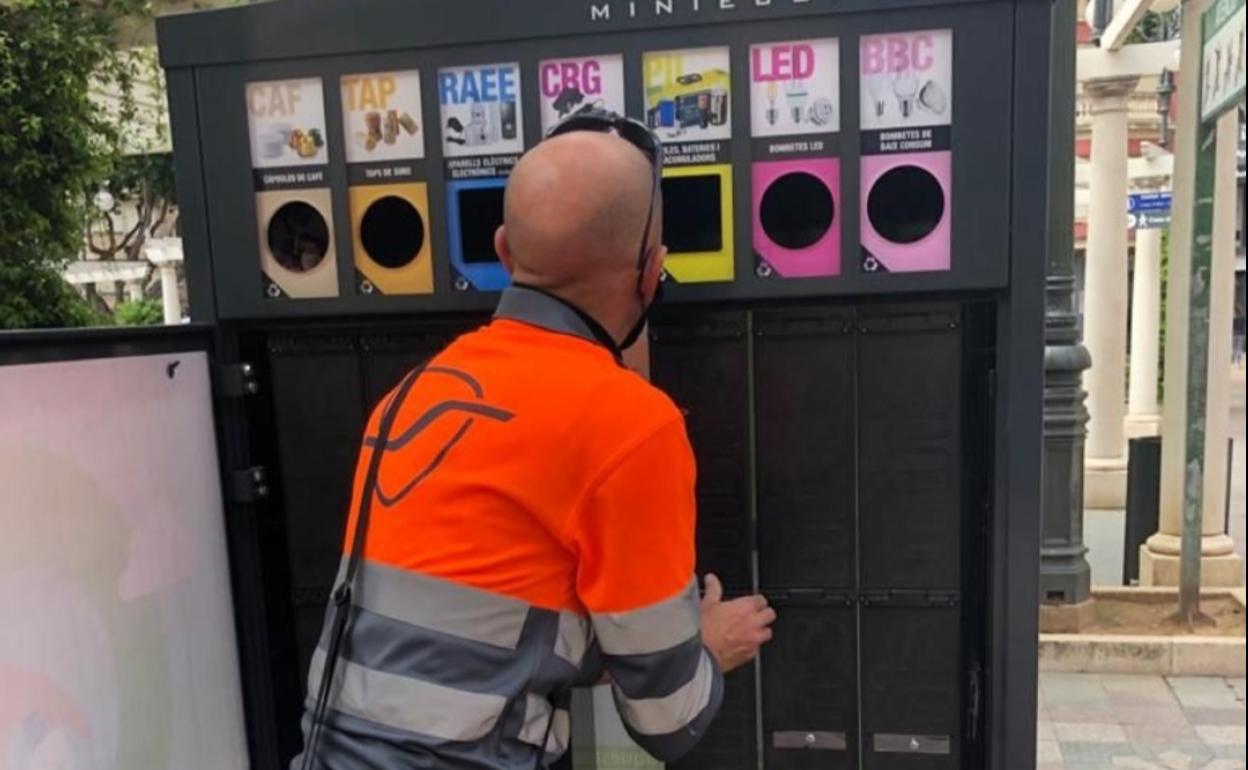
(298, 236)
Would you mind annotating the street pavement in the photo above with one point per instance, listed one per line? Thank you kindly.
(1122, 722)
(1127, 722)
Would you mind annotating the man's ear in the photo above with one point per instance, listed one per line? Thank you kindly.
(502, 249)
(652, 273)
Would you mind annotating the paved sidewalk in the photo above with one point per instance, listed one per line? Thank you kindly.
(1120, 722)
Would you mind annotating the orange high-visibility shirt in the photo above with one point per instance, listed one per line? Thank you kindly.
(533, 521)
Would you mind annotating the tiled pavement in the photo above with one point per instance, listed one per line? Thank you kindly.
(1120, 722)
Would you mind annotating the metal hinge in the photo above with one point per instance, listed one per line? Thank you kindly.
(809, 597)
(974, 701)
(237, 380)
(910, 599)
(247, 485)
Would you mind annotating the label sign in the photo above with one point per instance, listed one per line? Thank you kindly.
(1222, 58)
(381, 116)
(569, 85)
(907, 80)
(481, 110)
(286, 123)
(687, 102)
(794, 88)
(1148, 220)
(1152, 201)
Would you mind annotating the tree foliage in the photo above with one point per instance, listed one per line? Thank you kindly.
(139, 312)
(56, 144)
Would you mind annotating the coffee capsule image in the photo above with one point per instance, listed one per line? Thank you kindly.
(932, 98)
(905, 216)
(296, 243)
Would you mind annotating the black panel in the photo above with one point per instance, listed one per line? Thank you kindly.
(700, 360)
(810, 685)
(389, 356)
(692, 213)
(910, 683)
(909, 390)
(318, 402)
(480, 214)
(803, 374)
(731, 741)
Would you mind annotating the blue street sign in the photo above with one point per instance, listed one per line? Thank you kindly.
(1152, 201)
(1148, 220)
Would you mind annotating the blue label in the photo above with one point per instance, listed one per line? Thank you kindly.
(480, 84)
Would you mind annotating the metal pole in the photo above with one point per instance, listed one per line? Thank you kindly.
(1197, 377)
(1065, 576)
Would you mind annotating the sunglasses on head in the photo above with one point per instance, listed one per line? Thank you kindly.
(632, 131)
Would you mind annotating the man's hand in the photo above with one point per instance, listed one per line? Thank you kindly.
(734, 630)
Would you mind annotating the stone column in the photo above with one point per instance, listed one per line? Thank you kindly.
(1065, 577)
(169, 297)
(134, 291)
(1105, 294)
(1143, 412)
(1159, 557)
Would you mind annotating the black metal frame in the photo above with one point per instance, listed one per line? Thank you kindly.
(36, 347)
(209, 56)
(217, 144)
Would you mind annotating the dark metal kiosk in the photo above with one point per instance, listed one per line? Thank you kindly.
(855, 200)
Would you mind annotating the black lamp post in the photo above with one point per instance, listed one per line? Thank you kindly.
(1165, 88)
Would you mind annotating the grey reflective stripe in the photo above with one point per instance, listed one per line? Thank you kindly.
(650, 629)
(420, 707)
(573, 638)
(656, 674)
(560, 733)
(440, 605)
(661, 716)
(538, 720)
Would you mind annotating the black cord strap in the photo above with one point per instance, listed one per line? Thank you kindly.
(341, 598)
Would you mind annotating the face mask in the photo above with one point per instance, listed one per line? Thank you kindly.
(635, 333)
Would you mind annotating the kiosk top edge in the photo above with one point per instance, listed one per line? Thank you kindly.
(289, 29)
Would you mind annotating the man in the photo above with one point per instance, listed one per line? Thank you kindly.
(533, 518)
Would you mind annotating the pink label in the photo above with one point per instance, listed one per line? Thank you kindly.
(783, 62)
(897, 53)
(584, 75)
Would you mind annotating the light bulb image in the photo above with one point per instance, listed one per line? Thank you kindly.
(877, 87)
(796, 96)
(905, 86)
(932, 98)
(772, 113)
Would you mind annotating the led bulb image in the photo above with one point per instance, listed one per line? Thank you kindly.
(796, 96)
(772, 113)
(905, 86)
(877, 86)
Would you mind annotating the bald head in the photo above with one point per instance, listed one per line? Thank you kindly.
(573, 213)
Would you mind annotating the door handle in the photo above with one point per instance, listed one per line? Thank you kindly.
(819, 740)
